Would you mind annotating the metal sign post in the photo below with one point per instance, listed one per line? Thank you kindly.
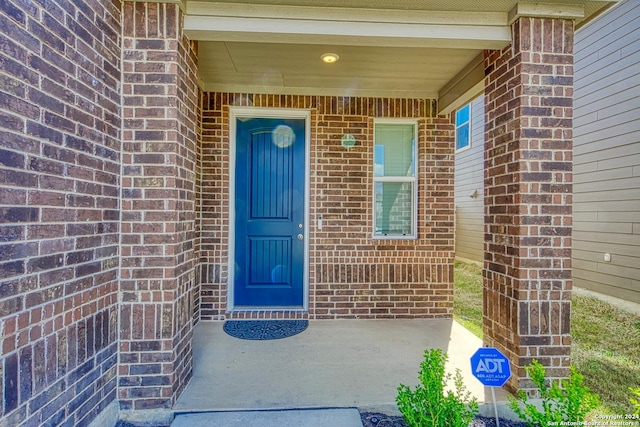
(492, 369)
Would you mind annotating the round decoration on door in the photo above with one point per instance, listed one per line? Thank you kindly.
(264, 329)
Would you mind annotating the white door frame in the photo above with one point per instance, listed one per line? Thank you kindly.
(282, 113)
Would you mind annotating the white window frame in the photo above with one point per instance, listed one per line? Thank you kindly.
(467, 123)
(412, 179)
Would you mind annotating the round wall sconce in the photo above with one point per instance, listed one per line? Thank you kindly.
(348, 140)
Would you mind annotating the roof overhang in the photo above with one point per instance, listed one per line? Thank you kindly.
(412, 48)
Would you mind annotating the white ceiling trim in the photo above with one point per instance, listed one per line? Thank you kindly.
(466, 85)
(207, 8)
(274, 30)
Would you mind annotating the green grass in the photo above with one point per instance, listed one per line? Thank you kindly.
(605, 340)
(467, 296)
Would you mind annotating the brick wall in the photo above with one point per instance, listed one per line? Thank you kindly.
(351, 275)
(59, 212)
(160, 114)
(528, 197)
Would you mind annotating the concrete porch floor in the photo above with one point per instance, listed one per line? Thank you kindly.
(333, 364)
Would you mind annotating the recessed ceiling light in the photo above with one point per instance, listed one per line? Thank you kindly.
(329, 58)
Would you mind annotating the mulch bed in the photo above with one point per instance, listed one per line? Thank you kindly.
(374, 419)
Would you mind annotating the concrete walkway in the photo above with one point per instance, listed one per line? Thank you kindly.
(333, 364)
(289, 418)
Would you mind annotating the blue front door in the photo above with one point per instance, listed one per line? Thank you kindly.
(269, 212)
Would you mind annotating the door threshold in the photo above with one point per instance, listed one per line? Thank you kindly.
(267, 313)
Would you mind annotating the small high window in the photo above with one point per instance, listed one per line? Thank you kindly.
(463, 138)
(395, 180)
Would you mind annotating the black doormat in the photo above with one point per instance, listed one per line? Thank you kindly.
(264, 329)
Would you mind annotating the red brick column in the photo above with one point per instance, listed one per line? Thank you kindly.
(160, 110)
(59, 211)
(528, 197)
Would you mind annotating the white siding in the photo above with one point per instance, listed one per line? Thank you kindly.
(470, 181)
(607, 154)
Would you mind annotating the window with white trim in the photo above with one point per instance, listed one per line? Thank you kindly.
(395, 180)
(463, 127)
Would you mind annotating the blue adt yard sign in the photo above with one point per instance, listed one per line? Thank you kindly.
(490, 367)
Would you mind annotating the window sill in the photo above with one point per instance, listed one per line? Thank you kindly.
(394, 237)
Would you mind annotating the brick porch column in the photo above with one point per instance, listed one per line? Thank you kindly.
(160, 110)
(528, 197)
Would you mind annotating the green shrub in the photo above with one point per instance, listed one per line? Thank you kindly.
(428, 405)
(567, 400)
(635, 400)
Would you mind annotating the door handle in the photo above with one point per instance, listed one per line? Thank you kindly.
(300, 236)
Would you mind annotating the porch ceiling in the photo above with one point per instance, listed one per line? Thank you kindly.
(400, 48)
